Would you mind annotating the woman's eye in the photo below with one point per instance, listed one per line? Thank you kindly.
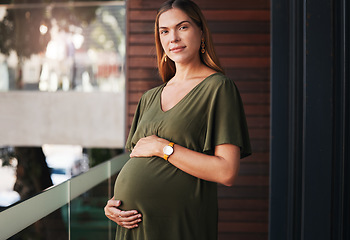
(183, 27)
(163, 31)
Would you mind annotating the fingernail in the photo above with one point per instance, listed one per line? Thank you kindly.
(139, 215)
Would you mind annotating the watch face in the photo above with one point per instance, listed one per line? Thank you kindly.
(168, 150)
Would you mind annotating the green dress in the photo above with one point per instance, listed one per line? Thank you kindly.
(175, 205)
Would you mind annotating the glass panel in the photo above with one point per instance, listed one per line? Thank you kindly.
(87, 215)
(82, 218)
(46, 207)
(62, 47)
(52, 227)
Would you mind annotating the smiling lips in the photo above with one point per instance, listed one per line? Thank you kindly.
(176, 49)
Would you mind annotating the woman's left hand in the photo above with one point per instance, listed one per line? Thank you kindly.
(149, 146)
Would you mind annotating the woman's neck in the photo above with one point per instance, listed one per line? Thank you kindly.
(190, 71)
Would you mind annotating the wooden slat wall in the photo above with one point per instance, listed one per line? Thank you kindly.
(241, 34)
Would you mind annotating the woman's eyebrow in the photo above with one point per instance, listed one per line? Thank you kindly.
(180, 23)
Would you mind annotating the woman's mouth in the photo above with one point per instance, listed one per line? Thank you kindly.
(176, 49)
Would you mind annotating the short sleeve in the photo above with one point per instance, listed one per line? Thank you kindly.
(226, 121)
(134, 124)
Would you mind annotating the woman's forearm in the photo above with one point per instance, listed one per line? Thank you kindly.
(221, 168)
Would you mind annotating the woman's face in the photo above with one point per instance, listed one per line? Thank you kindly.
(180, 36)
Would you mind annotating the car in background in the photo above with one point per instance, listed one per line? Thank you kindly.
(65, 162)
(65, 165)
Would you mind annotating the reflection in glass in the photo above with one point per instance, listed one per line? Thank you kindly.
(62, 47)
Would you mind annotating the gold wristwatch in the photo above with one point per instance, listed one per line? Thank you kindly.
(168, 150)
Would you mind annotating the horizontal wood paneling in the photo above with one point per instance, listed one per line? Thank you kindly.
(243, 204)
(243, 51)
(252, 181)
(243, 193)
(241, 33)
(258, 157)
(242, 227)
(243, 236)
(255, 169)
(211, 15)
(247, 216)
(206, 4)
(240, 38)
(237, 15)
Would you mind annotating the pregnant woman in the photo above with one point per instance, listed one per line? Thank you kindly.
(187, 135)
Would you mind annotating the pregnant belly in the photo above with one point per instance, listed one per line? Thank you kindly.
(156, 186)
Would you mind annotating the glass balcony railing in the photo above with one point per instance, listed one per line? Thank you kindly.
(70, 210)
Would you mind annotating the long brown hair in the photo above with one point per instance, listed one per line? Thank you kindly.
(167, 68)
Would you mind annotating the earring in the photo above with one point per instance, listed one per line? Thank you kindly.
(203, 46)
(165, 58)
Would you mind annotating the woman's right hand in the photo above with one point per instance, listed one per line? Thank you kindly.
(126, 219)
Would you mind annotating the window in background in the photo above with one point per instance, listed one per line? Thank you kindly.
(76, 46)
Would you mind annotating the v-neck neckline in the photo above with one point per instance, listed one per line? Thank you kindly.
(186, 96)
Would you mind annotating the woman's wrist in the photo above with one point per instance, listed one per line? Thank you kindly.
(160, 146)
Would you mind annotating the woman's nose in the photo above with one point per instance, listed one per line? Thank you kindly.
(174, 37)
